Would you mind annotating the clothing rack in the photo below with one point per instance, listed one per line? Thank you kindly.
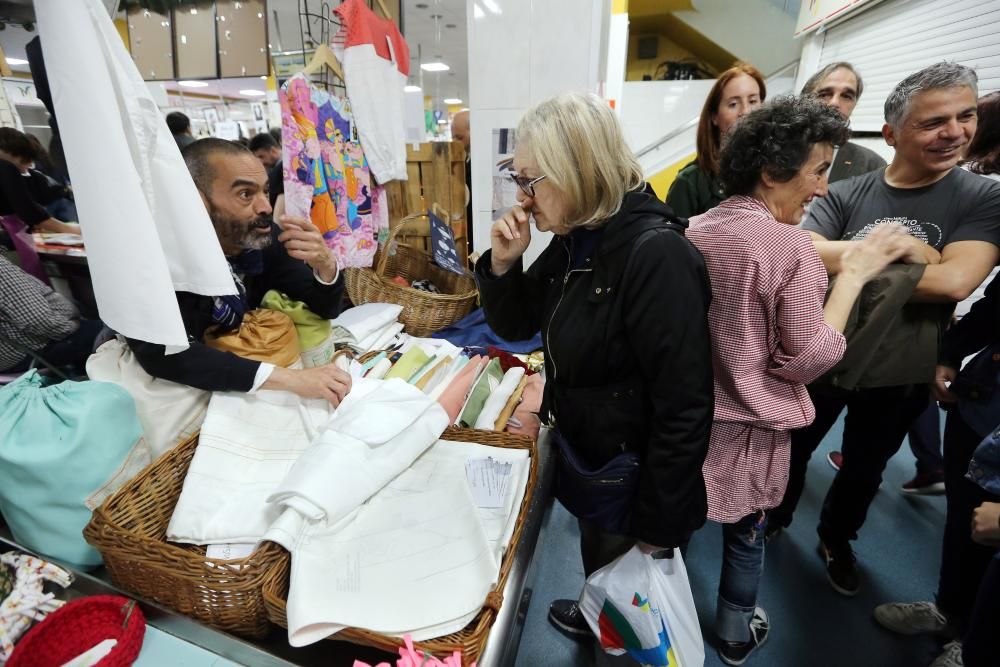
(322, 27)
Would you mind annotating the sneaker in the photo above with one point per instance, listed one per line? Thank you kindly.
(951, 656)
(836, 460)
(841, 568)
(910, 618)
(925, 484)
(568, 618)
(736, 653)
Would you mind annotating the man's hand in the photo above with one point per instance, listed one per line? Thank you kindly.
(944, 376)
(918, 252)
(986, 524)
(327, 382)
(303, 241)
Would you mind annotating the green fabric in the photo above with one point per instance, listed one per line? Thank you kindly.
(694, 191)
(411, 362)
(60, 444)
(312, 329)
(489, 380)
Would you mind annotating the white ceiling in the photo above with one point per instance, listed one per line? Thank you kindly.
(425, 24)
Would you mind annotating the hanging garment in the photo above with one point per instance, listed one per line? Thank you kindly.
(327, 175)
(376, 62)
(169, 412)
(248, 443)
(146, 229)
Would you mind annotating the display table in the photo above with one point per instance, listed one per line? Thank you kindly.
(501, 647)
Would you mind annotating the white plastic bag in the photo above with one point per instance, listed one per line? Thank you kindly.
(642, 607)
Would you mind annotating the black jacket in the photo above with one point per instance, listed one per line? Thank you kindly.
(213, 370)
(627, 354)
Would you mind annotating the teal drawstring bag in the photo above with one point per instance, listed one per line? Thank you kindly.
(63, 449)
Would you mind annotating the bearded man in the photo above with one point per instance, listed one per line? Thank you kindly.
(292, 259)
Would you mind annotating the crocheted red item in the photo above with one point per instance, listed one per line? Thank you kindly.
(80, 625)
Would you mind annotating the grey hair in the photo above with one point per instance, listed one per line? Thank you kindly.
(198, 158)
(777, 138)
(939, 75)
(813, 82)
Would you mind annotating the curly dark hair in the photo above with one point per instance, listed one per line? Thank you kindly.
(777, 138)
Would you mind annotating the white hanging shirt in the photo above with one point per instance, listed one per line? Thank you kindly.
(145, 227)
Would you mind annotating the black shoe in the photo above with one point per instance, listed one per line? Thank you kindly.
(736, 653)
(567, 617)
(841, 568)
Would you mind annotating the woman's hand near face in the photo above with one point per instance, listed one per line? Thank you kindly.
(509, 238)
(882, 247)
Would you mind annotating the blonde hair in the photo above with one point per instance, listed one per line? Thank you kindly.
(578, 145)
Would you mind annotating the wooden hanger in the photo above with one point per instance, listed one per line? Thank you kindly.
(324, 56)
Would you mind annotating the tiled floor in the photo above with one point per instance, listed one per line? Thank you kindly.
(811, 625)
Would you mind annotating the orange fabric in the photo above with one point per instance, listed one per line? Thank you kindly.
(453, 398)
(527, 411)
(265, 335)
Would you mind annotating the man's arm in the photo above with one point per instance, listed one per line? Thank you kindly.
(964, 266)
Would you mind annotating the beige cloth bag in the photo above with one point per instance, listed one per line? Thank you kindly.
(169, 413)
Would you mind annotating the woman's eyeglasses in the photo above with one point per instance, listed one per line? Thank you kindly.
(527, 185)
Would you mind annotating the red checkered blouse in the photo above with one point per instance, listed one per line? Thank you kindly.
(768, 341)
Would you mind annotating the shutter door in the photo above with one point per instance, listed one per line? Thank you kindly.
(898, 37)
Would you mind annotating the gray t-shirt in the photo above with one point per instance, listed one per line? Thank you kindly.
(960, 207)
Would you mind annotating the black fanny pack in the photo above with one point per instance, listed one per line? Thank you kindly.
(604, 496)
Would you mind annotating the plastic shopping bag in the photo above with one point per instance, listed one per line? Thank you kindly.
(642, 607)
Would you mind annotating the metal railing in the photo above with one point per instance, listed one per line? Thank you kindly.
(677, 131)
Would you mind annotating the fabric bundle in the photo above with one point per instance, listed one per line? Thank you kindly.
(170, 413)
(265, 335)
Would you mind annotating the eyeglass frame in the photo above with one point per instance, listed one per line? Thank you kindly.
(526, 185)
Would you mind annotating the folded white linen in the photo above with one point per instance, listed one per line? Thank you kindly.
(365, 444)
(418, 558)
(498, 399)
(362, 321)
(248, 443)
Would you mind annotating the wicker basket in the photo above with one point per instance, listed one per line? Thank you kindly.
(423, 312)
(470, 640)
(129, 529)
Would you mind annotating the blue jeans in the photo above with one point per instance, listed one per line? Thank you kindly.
(742, 566)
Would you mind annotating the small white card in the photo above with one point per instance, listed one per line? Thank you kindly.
(229, 551)
(488, 481)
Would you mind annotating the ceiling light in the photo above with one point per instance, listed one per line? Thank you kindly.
(434, 67)
(192, 84)
(252, 93)
(412, 89)
(452, 100)
(263, 77)
(194, 11)
(16, 61)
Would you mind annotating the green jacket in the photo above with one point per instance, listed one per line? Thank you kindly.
(694, 191)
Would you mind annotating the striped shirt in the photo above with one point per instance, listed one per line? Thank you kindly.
(768, 341)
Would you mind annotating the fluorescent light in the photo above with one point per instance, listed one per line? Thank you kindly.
(194, 11)
(452, 100)
(412, 89)
(192, 84)
(263, 77)
(434, 67)
(252, 93)
(16, 61)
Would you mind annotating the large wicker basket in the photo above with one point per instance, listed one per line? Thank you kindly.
(129, 529)
(470, 640)
(423, 312)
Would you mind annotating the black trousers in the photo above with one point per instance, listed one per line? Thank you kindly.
(876, 423)
(980, 646)
(963, 562)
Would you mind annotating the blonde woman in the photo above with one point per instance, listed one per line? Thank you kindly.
(621, 298)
